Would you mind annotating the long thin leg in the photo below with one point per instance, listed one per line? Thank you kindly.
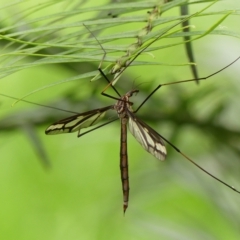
(103, 92)
(38, 104)
(146, 46)
(100, 70)
(129, 63)
(190, 160)
(189, 80)
(104, 124)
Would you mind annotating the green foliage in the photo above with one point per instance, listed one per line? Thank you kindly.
(49, 55)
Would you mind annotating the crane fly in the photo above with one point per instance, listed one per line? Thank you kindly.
(149, 139)
(145, 135)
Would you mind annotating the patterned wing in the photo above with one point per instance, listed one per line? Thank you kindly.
(150, 140)
(77, 122)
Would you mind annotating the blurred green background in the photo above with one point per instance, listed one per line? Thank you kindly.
(62, 187)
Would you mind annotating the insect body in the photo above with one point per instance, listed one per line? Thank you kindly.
(150, 140)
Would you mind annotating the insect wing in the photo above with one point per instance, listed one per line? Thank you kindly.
(77, 122)
(150, 140)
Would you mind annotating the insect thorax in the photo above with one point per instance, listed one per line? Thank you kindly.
(122, 106)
